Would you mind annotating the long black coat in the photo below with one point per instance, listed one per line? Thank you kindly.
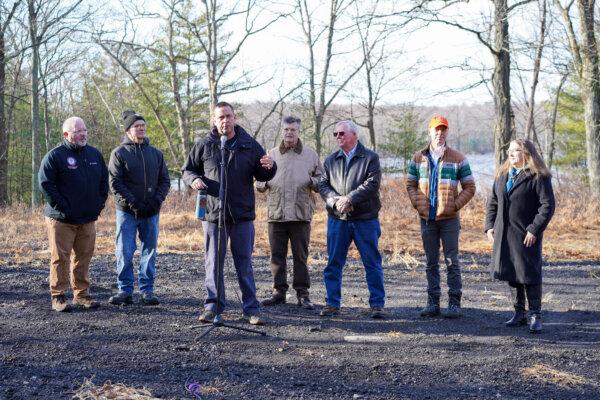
(527, 208)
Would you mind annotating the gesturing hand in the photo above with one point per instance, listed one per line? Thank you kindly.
(266, 161)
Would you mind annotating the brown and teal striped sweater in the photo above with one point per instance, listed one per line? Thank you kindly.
(453, 169)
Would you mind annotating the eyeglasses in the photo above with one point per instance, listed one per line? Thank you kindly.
(340, 133)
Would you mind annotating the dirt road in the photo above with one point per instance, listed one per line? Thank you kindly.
(47, 355)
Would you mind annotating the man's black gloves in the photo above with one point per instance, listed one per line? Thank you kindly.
(139, 209)
(153, 207)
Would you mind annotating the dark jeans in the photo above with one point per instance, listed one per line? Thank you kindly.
(298, 234)
(445, 231)
(365, 235)
(533, 293)
(241, 238)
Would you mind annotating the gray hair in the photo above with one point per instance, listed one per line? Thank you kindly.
(69, 124)
(350, 124)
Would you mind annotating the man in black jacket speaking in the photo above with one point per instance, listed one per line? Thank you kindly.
(245, 161)
(350, 188)
(74, 180)
(139, 181)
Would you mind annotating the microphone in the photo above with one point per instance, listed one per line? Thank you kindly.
(223, 140)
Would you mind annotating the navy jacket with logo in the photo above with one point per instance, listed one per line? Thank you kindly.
(74, 181)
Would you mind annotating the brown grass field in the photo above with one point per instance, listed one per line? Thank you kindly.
(573, 233)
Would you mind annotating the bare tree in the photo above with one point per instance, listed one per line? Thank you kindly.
(319, 100)
(46, 19)
(220, 51)
(584, 53)
(6, 15)
(499, 46)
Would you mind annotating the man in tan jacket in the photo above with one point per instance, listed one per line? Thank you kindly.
(291, 205)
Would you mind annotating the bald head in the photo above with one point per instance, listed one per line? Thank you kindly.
(74, 131)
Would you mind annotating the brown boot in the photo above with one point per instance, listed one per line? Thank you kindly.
(60, 304)
(85, 302)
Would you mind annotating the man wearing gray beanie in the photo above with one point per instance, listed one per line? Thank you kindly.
(139, 181)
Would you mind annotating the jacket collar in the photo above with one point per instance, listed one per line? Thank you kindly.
(360, 151)
(128, 142)
(298, 149)
(425, 150)
(72, 146)
(240, 134)
(522, 177)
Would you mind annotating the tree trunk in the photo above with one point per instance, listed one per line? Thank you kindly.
(3, 129)
(35, 105)
(504, 117)
(590, 90)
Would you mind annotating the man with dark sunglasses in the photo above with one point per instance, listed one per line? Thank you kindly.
(350, 188)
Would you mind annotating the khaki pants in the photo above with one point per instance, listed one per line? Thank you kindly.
(65, 239)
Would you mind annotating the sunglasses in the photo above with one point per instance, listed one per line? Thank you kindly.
(340, 133)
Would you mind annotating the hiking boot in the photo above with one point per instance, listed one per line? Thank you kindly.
(60, 304)
(276, 298)
(377, 313)
(149, 299)
(535, 323)
(207, 316)
(432, 309)
(254, 319)
(519, 318)
(453, 311)
(121, 298)
(329, 311)
(305, 303)
(85, 302)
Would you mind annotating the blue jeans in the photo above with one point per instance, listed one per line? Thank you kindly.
(241, 241)
(365, 234)
(127, 227)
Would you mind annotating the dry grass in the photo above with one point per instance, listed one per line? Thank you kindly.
(570, 235)
(111, 391)
(546, 374)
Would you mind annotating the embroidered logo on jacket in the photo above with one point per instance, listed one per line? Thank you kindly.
(72, 163)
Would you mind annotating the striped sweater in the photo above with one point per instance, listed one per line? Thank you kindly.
(453, 168)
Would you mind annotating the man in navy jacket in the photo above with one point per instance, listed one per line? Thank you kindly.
(245, 161)
(74, 180)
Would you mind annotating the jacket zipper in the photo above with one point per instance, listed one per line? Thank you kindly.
(144, 167)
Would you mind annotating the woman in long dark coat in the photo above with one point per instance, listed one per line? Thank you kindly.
(519, 210)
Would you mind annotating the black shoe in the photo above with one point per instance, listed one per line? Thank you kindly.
(276, 298)
(377, 313)
(430, 310)
(149, 299)
(535, 323)
(121, 298)
(453, 311)
(305, 302)
(329, 311)
(519, 318)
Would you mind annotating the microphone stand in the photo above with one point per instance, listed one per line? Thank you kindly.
(218, 321)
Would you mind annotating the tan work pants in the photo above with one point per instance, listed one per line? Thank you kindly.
(65, 239)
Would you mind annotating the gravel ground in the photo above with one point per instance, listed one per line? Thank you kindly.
(44, 354)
